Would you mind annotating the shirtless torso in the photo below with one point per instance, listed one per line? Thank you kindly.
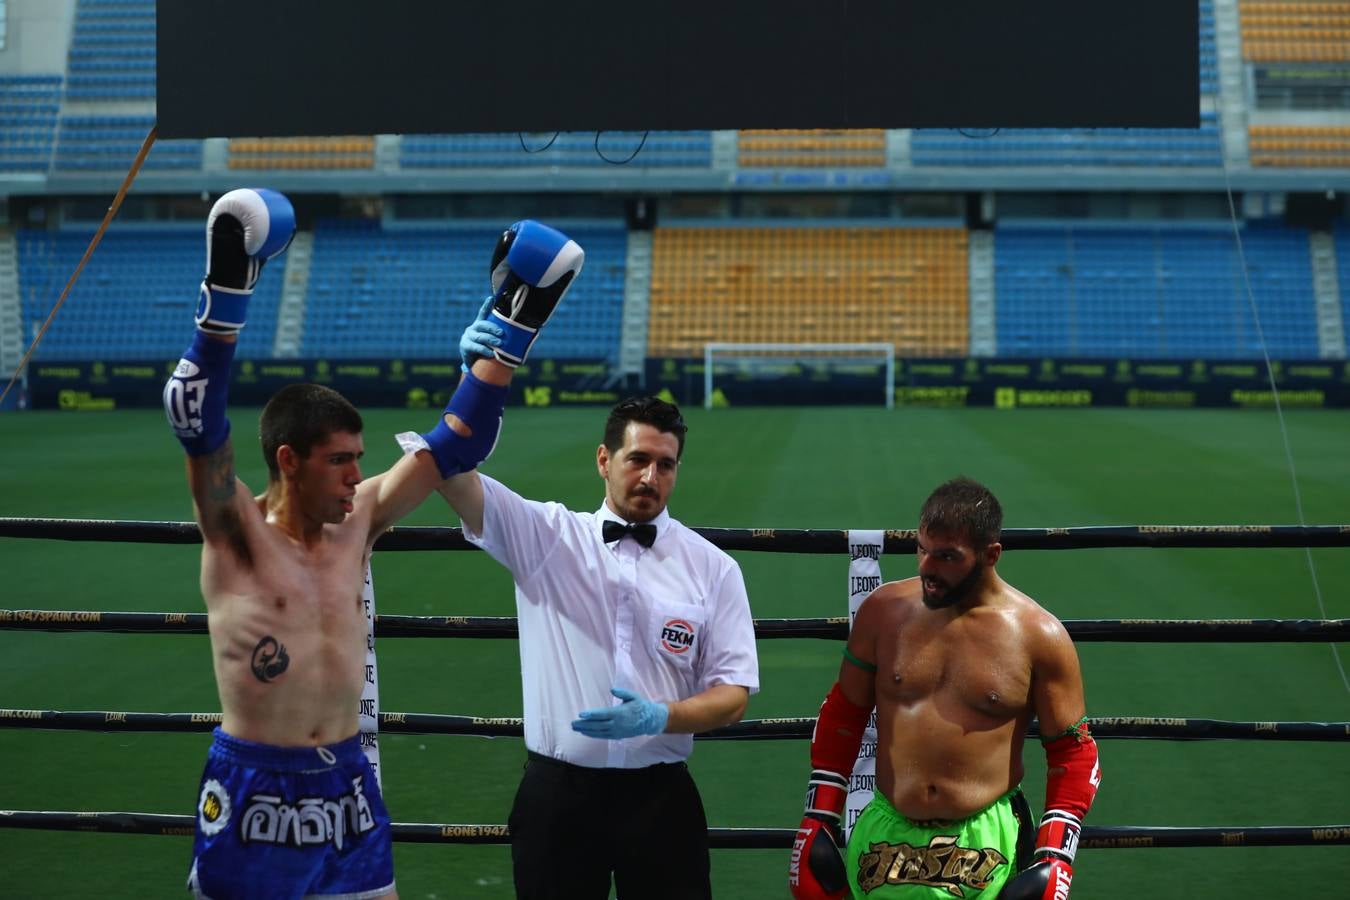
(288, 633)
(282, 576)
(955, 688)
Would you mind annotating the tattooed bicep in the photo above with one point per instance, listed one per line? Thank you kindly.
(216, 489)
(220, 480)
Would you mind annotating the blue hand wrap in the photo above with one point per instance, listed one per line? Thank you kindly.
(195, 395)
(516, 338)
(478, 405)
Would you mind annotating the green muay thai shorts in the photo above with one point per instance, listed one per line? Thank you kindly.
(890, 856)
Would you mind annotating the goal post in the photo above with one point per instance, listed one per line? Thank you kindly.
(773, 360)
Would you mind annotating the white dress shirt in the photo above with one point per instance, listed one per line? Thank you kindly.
(667, 622)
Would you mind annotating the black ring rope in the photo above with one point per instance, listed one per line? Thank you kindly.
(773, 540)
(776, 540)
(1093, 838)
(1147, 727)
(1246, 631)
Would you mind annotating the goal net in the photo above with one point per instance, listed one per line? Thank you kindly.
(798, 374)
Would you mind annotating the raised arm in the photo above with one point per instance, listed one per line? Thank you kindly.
(245, 229)
(533, 265)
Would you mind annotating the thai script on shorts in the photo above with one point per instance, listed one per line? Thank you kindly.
(942, 864)
(309, 821)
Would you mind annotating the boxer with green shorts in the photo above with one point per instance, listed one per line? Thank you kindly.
(955, 667)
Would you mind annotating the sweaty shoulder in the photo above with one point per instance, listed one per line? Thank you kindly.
(892, 602)
(1040, 626)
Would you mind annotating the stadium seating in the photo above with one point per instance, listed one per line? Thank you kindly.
(302, 153)
(411, 292)
(28, 108)
(110, 143)
(659, 149)
(1100, 147)
(112, 51)
(1342, 239)
(904, 286)
(134, 300)
(812, 148)
(1152, 292)
(1290, 32)
(1300, 145)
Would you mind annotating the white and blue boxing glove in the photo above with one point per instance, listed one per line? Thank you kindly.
(533, 265)
(247, 227)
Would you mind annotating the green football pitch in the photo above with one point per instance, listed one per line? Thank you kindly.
(787, 468)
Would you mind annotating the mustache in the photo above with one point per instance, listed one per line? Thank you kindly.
(644, 492)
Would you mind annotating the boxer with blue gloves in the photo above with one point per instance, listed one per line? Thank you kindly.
(288, 805)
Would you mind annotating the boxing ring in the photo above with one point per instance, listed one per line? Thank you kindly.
(418, 538)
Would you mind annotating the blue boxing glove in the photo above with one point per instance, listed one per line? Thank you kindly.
(532, 267)
(480, 338)
(246, 228)
(631, 718)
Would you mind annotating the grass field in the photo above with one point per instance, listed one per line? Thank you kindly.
(745, 468)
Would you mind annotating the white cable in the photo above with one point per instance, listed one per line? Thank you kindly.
(1275, 393)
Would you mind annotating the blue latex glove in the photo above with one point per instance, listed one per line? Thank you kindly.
(633, 717)
(479, 338)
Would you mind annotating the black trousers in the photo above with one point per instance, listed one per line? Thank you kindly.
(573, 827)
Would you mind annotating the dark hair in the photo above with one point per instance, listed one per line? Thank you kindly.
(966, 507)
(300, 416)
(664, 417)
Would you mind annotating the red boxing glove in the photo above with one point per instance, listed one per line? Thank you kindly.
(1050, 876)
(1047, 879)
(1070, 788)
(816, 869)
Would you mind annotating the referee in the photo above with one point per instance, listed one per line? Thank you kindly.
(635, 633)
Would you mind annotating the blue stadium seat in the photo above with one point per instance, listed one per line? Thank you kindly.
(28, 109)
(568, 150)
(1152, 292)
(1342, 239)
(410, 292)
(135, 298)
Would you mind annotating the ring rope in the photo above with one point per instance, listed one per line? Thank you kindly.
(774, 540)
(778, 540)
(1093, 838)
(1150, 727)
(1246, 631)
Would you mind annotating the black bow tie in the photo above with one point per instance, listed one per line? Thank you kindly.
(643, 532)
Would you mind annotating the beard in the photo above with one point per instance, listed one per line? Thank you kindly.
(629, 510)
(955, 593)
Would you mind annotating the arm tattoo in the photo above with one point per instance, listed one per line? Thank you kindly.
(220, 479)
(220, 489)
(269, 659)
